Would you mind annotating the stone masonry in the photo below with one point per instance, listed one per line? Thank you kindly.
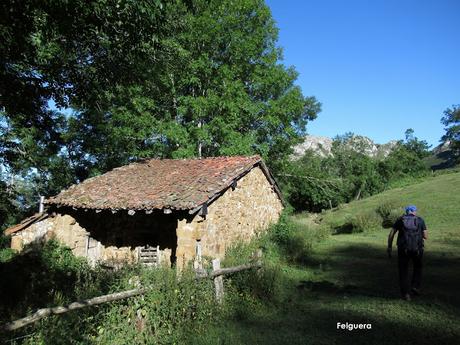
(238, 215)
(66, 230)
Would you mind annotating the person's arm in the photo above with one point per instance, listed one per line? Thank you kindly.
(424, 230)
(391, 235)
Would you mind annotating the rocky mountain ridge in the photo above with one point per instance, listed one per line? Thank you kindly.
(322, 146)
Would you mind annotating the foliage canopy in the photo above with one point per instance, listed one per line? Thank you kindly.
(316, 183)
(451, 121)
(89, 86)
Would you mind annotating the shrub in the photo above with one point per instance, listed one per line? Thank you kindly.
(282, 231)
(263, 284)
(4, 241)
(364, 221)
(6, 254)
(389, 211)
(172, 306)
(255, 286)
(319, 233)
(298, 246)
(295, 237)
(45, 274)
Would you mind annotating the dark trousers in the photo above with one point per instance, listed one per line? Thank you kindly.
(404, 258)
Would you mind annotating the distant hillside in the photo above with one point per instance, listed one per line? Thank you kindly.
(323, 145)
(442, 157)
(436, 197)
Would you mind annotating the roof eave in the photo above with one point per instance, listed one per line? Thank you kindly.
(25, 223)
(267, 174)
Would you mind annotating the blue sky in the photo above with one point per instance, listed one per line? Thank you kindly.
(377, 66)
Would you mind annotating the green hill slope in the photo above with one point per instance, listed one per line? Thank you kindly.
(441, 160)
(437, 198)
(359, 261)
(348, 278)
(442, 157)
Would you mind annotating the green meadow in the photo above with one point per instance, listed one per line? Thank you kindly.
(348, 277)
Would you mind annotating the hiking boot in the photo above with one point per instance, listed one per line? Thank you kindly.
(415, 291)
(406, 297)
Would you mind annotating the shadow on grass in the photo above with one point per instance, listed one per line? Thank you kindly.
(328, 288)
(320, 327)
(368, 268)
(312, 314)
(346, 228)
(357, 284)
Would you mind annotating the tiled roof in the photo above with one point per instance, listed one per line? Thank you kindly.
(25, 223)
(176, 184)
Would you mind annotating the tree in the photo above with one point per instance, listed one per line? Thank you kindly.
(223, 92)
(405, 158)
(351, 162)
(420, 148)
(451, 121)
(310, 185)
(7, 208)
(69, 53)
(90, 85)
(350, 172)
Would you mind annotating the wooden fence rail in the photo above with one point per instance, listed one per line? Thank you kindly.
(227, 270)
(44, 312)
(216, 274)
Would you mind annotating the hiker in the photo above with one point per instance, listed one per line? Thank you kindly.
(412, 233)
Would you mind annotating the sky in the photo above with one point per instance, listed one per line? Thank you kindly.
(378, 67)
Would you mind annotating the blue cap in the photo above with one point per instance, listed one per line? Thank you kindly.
(411, 208)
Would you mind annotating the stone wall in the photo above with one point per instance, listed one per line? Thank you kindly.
(36, 232)
(63, 228)
(238, 215)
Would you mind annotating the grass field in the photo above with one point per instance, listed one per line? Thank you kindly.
(348, 277)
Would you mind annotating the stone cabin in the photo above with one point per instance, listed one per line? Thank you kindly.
(159, 211)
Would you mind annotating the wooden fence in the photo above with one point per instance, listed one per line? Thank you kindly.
(216, 274)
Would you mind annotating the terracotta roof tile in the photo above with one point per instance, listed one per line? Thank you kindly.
(26, 222)
(181, 184)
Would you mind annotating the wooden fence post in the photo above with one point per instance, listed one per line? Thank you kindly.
(218, 282)
(198, 262)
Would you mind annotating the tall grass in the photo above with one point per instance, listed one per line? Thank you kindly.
(175, 306)
(49, 275)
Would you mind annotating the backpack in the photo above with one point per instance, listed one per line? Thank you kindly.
(412, 236)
